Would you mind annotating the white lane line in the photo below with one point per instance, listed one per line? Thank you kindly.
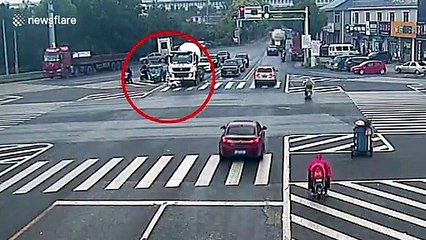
(177, 89)
(118, 181)
(263, 169)
(235, 173)
(153, 222)
(208, 171)
(182, 171)
(70, 176)
(229, 85)
(329, 232)
(385, 195)
(43, 177)
(241, 85)
(206, 85)
(252, 85)
(314, 144)
(20, 152)
(406, 187)
(287, 83)
(153, 173)
(165, 89)
(163, 202)
(94, 178)
(353, 219)
(21, 175)
(217, 85)
(302, 138)
(190, 89)
(286, 221)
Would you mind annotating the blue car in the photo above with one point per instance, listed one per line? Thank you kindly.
(338, 63)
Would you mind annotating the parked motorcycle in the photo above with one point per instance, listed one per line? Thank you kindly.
(319, 188)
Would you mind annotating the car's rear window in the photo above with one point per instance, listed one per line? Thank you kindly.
(264, 70)
(422, 64)
(240, 56)
(241, 130)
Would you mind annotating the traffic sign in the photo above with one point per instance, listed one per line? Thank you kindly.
(316, 46)
(306, 41)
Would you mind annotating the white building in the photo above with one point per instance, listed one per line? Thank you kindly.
(287, 3)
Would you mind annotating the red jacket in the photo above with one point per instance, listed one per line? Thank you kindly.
(321, 162)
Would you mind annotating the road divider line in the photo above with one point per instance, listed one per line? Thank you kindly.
(165, 202)
(181, 172)
(71, 175)
(263, 170)
(153, 222)
(95, 177)
(20, 152)
(353, 219)
(287, 82)
(235, 173)
(217, 85)
(118, 181)
(286, 216)
(208, 171)
(21, 175)
(153, 173)
(323, 230)
(304, 146)
(43, 177)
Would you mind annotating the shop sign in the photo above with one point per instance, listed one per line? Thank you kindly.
(403, 29)
(421, 29)
(372, 28)
(384, 28)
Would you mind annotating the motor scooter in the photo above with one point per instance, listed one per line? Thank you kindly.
(308, 93)
(318, 188)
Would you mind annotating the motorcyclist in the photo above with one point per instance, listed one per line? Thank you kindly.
(319, 168)
(129, 75)
(309, 85)
(144, 69)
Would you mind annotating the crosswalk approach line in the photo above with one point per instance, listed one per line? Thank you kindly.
(263, 170)
(235, 173)
(98, 175)
(118, 181)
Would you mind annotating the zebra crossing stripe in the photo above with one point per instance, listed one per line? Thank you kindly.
(153, 173)
(235, 173)
(353, 219)
(21, 175)
(405, 187)
(204, 86)
(165, 89)
(208, 171)
(314, 144)
(229, 85)
(320, 228)
(70, 176)
(43, 177)
(94, 178)
(217, 85)
(252, 85)
(183, 169)
(263, 169)
(241, 85)
(190, 89)
(118, 181)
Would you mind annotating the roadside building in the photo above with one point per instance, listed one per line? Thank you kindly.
(380, 25)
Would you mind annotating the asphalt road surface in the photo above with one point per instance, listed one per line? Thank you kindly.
(76, 162)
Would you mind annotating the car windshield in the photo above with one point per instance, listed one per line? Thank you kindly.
(222, 53)
(230, 63)
(264, 70)
(51, 57)
(181, 58)
(240, 56)
(241, 130)
(155, 70)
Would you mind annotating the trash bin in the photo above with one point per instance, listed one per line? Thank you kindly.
(362, 139)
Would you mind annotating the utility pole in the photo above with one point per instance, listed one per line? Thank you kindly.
(6, 62)
(306, 60)
(15, 43)
(51, 11)
(207, 12)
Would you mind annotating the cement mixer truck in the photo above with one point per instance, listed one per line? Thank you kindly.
(184, 68)
(278, 39)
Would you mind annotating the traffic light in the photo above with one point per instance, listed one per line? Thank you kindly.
(266, 11)
(241, 12)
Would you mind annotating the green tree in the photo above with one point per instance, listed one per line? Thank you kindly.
(317, 17)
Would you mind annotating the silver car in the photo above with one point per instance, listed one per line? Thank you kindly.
(411, 67)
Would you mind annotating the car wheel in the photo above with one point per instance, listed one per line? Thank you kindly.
(417, 72)
(382, 71)
(361, 72)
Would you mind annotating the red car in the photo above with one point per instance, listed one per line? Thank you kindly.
(372, 66)
(242, 138)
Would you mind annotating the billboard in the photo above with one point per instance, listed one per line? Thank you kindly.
(421, 12)
(403, 29)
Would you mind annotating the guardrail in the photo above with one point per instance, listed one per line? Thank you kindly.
(21, 77)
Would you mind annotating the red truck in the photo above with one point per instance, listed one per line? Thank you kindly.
(61, 62)
(296, 50)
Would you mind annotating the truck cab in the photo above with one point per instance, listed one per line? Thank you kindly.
(56, 61)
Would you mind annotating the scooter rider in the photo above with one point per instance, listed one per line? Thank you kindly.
(317, 168)
(309, 85)
(129, 75)
(144, 69)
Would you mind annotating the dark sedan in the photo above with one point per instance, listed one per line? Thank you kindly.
(231, 68)
(354, 61)
(242, 138)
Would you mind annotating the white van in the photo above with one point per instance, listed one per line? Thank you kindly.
(341, 49)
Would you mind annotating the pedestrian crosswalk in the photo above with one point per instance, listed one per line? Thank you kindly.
(12, 155)
(9, 98)
(295, 84)
(393, 112)
(13, 115)
(333, 143)
(116, 84)
(229, 85)
(376, 209)
(56, 176)
(110, 96)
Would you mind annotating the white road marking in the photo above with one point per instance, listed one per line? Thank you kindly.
(353, 219)
(43, 177)
(405, 187)
(95, 177)
(314, 144)
(287, 83)
(303, 138)
(217, 85)
(181, 172)
(208, 171)
(229, 85)
(241, 85)
(118, 181)
(278, 85)
(235, 173)
(177, 89)
(286, 224)
(206, 85)
(329, 232)
(153, 222)
(70, 176)
(263, 169)
(21, 175)
(165, 89)
(190, 89)
(163, 202)
(252, 85)
(153, 173)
